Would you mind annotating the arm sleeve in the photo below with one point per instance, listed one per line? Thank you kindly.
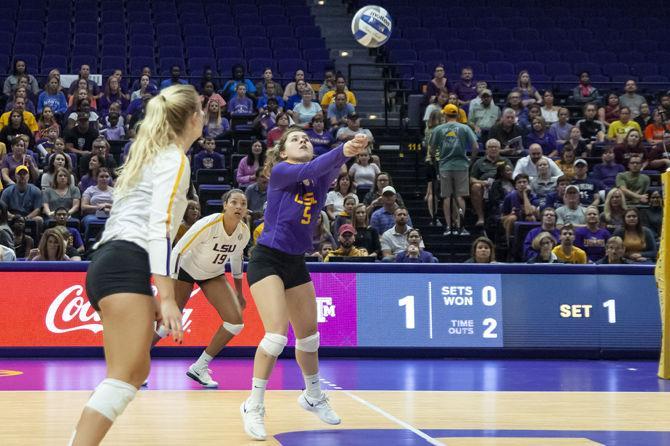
(237, 260)
(170, 179)
(285, 174)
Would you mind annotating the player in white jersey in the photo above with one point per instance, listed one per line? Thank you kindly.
(200, 257)
(149, 200)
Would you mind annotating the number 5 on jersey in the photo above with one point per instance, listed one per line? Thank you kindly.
(308, 201)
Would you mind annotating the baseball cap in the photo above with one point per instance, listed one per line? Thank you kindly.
(388, 189)
(450, 109)
(20, 168)
(580, 161)
(346, 228)
(571, 187)
(486, 92)
(352, 116)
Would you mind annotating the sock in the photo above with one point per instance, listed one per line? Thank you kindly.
(203, 360)
(258, 390)
(313, 385)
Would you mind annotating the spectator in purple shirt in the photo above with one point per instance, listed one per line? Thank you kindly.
(607, 171)
(208, 158)
(249, 165)
(465, 88)
(592, 238)
(414, 253)
(519, 205)
(548, 225)
(277, 269)
(318, 136)
(240, 104)
(540, 135)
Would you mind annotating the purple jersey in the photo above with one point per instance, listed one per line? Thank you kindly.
(296, 194)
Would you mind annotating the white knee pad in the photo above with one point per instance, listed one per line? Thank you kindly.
(309, 344)
(273, 344)
(111, 398)
(234, 329)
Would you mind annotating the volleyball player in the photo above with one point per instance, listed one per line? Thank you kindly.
(200, 257)
(280, 283)
(150, 199)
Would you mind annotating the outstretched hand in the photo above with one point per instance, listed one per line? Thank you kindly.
(357, 145)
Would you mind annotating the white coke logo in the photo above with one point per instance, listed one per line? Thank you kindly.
(71, 304)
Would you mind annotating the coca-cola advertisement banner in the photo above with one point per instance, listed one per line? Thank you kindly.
(50, 309)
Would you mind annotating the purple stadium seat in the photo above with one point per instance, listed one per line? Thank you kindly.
(137, 63)
(604, 57)
(200, 51)
(402, 55)
(618, 46)
(431, 55)
(300, 20)
(574, 57)
(138, 17)
(109, 64)
(632, 57)
(196, 65)
(432, 23)
(507, 46)
(307, 31)
(171, 51)
(226, 65)
(90, 51)
(622, 78)
(498, 34)
(538, 45)
(527, 34)
(223, 52)
(579, 34)
(656, 78)
(424, 44)
(140, 29)
(316, 54)
(51, 61)
(515, 56)
(139, 51)
(253, 41)
(482, 45)
(312, 42)
(547, 56)
(165, 17)
(79, 60)
(166, 63)
(251, 30)
(499, 68)
(416, 33)
(458, 55)
(288, 67)
(23, 46)
(558, 68)
(57, 48)
(287, 53)
(115, 50)
(274, 20)
(257, 52)
(194, 29)
(258, 65)
(615, 69)
(169, 40)
(490, 23)
(319, 66)
(590, 67)
(534, 68)
(279, 31)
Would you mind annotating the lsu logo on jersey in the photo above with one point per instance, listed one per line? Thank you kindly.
(307, 199)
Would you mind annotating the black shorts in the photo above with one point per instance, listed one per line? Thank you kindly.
(186, 277)
(264, 262)
(118, 267)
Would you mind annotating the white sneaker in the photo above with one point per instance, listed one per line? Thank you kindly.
(252, 417)
(201, 375)
(320, 406)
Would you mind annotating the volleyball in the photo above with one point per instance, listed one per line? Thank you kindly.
(371, 26)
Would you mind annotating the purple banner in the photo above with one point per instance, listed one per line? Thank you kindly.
(336, 309)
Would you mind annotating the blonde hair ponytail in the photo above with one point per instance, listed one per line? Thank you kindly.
(166, 118)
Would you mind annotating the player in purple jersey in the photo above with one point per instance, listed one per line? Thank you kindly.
(278, 278)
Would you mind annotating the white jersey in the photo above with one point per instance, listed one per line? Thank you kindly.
(206, 248)
(149, 215)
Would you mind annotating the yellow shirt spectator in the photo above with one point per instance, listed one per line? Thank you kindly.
(618, 130)
(330, 97)
(576, 256)
(28, 118)
(462, 117)
(340, 252)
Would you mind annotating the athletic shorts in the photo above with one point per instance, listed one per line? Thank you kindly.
(186, 277)
(265, 261)
(116, 267)
(454, 182)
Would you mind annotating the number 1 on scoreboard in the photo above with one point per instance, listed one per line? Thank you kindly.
(408, 303)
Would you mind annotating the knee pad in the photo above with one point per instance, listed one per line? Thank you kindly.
(309, 344)
(273, 344)
(233, 329)
(111, 398)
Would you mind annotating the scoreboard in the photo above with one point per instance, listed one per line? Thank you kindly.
(581, 307)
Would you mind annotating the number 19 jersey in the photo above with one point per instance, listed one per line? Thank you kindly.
(206, 248)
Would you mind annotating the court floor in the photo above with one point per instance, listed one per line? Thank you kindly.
(382, 402)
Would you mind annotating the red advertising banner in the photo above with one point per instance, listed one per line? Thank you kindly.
(50, 309)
